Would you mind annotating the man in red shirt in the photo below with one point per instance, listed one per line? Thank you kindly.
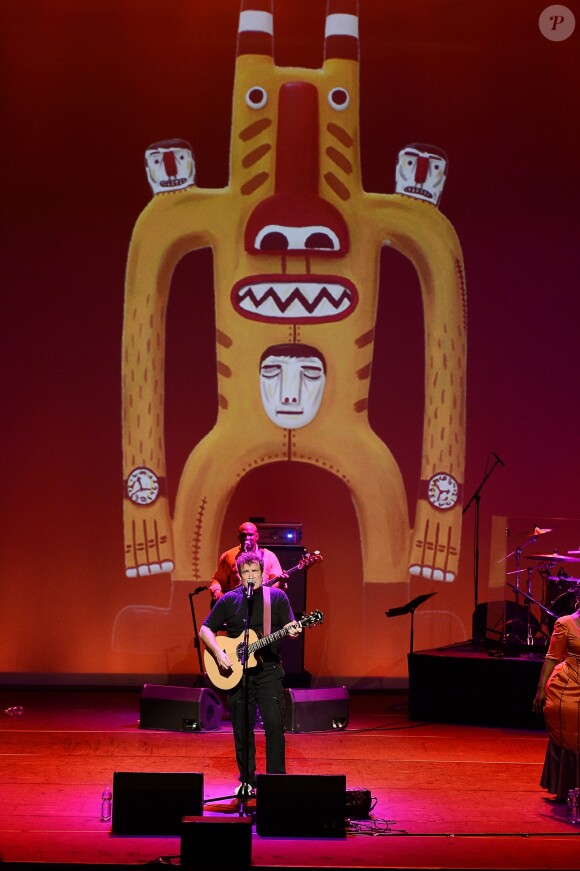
(226, 575)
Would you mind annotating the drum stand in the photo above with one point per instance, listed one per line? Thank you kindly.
(535, 601)
(529, 632)
(518, 555)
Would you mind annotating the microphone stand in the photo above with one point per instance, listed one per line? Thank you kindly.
(196, 633)
(248, 596)
(242, 796)
(476, 497)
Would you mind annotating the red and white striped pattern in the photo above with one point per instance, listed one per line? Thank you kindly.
(341, 34)
(256, 28)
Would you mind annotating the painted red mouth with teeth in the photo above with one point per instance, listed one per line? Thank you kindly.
(312, 299)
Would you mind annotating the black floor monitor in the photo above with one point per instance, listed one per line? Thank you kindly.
(301, 805)
(154, 803)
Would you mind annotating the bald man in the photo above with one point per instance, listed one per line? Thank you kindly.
(226, 575)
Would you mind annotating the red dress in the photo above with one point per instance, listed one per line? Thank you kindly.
(562, 710)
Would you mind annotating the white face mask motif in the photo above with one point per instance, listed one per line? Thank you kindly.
(170, 166)
(421, 172)
(291, 388)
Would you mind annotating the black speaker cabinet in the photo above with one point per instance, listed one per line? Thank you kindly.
(292, 649)
(154, 803)
(179, 709)
(216, 843)
(321, 710)
(301, 805)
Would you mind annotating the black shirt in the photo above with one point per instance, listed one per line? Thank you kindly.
(230, 609)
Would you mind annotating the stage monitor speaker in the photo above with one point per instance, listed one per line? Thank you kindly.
(216, 843)
(301, 805)
(179, 709)
(154, 803)
(323, 710)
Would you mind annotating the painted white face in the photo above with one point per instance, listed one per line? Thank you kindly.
(420, 174)
(291, 389)
(169, 168)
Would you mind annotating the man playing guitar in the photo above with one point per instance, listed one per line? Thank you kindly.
(265, 678)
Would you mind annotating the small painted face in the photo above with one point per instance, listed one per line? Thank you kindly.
(251, 572)
(291, 389)
(421, 173)
(169, 167)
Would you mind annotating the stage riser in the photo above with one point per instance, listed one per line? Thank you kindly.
(449, 686)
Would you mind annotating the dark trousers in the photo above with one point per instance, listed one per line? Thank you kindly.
(265, 689)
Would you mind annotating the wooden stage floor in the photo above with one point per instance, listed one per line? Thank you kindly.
(445, 795)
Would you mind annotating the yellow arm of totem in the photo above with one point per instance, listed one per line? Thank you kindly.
(420, 232)
(169, 227)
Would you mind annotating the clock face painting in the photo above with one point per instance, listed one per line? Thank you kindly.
(142, 486)
(443, 491)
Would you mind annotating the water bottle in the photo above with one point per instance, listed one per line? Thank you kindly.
(106, 803)
(573, 806)
(14, 711)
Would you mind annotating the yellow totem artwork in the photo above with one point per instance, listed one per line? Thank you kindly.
(296, 244)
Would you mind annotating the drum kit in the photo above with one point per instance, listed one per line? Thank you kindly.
(558, 596)
(560, 589)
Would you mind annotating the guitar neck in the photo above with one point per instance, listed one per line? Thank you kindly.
(268, 639)
(279, 578)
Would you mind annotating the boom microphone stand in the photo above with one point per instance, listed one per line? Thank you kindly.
(249, 597)
(476, 497)
(196, 633)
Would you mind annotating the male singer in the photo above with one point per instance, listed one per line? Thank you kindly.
(264, 681)
(226, 575)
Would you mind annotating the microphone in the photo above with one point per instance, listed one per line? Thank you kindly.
(250, 589)
(247, 545)
(501, 462)
(200, 590)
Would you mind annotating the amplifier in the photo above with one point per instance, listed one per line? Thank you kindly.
(279, 533)
(359, 804)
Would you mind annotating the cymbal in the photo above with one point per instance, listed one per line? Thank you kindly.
(523, 571)
(554, 557)
(568, 580)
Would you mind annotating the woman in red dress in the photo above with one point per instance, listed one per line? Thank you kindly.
(558, 698)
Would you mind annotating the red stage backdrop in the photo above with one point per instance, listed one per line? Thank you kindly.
(433, 182)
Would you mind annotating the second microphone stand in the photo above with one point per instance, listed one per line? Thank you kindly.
(476, 497)
(196, 644)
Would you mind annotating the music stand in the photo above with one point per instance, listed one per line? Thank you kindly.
(409, 608)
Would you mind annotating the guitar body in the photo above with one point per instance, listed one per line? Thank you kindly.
(227, 680)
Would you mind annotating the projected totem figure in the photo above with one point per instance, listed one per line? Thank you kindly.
(296, 244)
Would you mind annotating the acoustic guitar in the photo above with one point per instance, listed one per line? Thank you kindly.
(234, 648)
